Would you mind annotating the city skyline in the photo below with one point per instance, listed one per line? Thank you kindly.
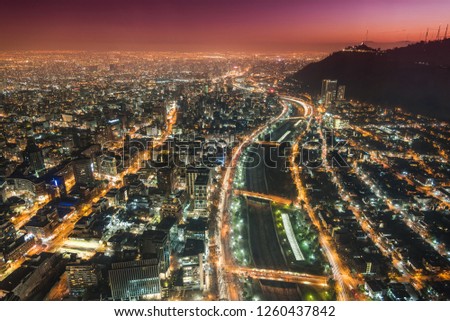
(217, 151)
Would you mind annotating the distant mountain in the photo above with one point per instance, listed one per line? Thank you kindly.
(416, 77)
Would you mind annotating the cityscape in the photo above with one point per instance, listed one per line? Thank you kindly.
(226, 175)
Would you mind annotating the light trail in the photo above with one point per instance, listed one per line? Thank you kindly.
(225, 259)
(279, 275)
(291, 237)
(340, 272)
(307, 107)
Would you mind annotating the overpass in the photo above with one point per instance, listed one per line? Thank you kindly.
(267, 197)
(278, 275)
(267, 142)
(307, 107)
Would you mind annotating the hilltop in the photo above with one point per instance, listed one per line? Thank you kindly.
(416, 77)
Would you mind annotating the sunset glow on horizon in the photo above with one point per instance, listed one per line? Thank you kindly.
(200, 24)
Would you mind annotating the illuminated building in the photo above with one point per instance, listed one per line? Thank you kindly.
(34, 158)
(339, 123)
(83, 171)
(135, 280)
(7, 236)
(58, 184)
(81, 277)
(328, 93)
(191, 175)
(26, 282)
(165, 179)
(156, 244)
(106, 165)
(192, 261)
(340, 93)
(171, 208)
(137, 188)
(196, 229)
(42, 224)
(201, 186)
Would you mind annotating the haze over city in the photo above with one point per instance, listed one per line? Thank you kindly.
(199, 25)
(224, 151)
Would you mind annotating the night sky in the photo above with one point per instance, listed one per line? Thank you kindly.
(214, 25)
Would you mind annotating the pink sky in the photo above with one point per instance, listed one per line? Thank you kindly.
(213, 24)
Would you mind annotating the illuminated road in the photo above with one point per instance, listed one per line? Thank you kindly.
(224, 257)
(269, 260)
(225, 261)
(60, 235)
(278, 275)
(272, 198)
(341, 273)
(23, 218)
(307, 107)
(419, 230)
(384, 244)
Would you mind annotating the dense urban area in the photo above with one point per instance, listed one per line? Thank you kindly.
(199, 176)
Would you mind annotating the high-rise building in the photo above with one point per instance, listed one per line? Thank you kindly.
(328, 93)
(34, 158)
(135, 280)
(323, 92)
(340, 93)
(165, 179)
(156, 244)
(83, 171)
(171, 208)
(191, 175)
(192, 262)
(7, 236)
(81, 277)
(106, 165)
(58, 184)
(201, 192)
(81, 137)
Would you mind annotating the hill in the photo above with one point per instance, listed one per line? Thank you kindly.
(416, 77)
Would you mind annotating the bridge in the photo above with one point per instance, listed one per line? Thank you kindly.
(267, 197)
(267, 142)
(273, 143)
(279, 275)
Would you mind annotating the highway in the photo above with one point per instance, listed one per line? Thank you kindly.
(228, 290)
(269, 259)
(259, 192)
(308, 109)
(266, 251)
